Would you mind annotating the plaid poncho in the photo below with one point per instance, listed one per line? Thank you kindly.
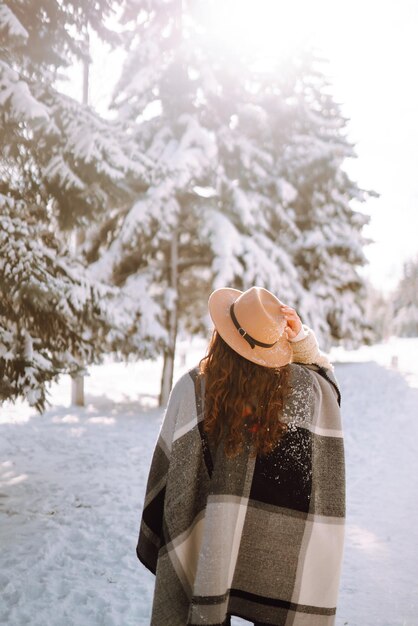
(260, 538)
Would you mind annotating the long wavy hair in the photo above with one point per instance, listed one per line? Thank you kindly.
(243, 400)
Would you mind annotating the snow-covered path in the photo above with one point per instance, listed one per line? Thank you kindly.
(72, 481)
(380, 569)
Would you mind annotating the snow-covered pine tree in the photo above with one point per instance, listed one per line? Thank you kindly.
(61, 166)
(405, 301)
(379, 312)
(49, 315)
(206, 218)
(248, 171)
(329, 247)
(303, 196)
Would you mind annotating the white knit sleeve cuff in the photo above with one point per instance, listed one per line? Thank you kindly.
(301, 335)
(307, 350)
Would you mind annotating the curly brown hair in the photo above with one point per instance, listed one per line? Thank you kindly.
(243, 400)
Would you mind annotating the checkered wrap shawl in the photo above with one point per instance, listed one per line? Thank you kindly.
(260, 538)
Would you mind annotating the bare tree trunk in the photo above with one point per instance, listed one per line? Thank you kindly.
(170, 352)
(77, 382)
(77, 390)
(86, 72)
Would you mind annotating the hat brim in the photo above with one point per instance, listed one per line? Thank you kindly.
(219, 305)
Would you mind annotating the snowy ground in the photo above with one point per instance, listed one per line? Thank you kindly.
(72, 481)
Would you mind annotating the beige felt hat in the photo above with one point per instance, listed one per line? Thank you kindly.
(252, 324)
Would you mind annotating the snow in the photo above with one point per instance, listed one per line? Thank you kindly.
(287, 191)
(243, 206)
(185, 160)
(58, 170)
(73, 479)
(10, 24)
(15, 93)
(227, 247)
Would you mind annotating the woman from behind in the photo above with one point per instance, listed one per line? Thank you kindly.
(245, 504)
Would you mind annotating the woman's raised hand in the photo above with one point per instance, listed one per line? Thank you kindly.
(293, 320)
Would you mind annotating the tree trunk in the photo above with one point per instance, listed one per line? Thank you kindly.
(172, 315)
(77, 390)
(77, 382)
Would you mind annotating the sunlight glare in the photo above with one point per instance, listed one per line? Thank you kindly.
(269, 29)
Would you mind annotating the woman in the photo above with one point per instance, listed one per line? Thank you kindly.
(245, 502)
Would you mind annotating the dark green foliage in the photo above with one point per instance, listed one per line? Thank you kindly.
(50, 317)
(61, 167)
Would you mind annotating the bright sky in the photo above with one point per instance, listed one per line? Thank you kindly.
(373, 57)
(372, 47)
